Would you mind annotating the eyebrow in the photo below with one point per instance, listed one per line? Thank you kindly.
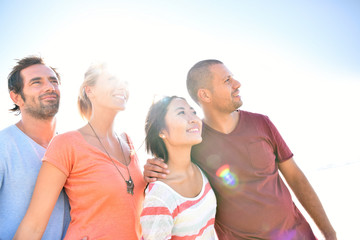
(228, 76)
(35, 79)
(179, 108)
(39, 78)
(182, 108)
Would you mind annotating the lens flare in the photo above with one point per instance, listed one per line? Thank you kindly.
(227, 176)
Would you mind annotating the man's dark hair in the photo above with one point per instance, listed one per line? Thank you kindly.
(15, 81)
(154, 124)
(199, 76)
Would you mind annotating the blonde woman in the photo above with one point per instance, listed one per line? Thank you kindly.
(98, 169)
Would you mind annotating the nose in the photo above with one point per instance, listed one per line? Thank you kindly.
(122, 86)
(119, 83)
(50, 86)
(236, 84)
(194, 119)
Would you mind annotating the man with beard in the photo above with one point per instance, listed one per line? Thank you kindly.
(34, 89)
(242, 154)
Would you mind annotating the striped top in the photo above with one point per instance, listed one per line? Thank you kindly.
(168, 215)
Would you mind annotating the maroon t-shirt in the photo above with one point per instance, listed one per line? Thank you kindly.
(242, 167)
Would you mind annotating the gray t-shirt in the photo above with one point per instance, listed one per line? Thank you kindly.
(20, 162)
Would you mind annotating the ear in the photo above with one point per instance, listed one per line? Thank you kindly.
(204, 95)
(16, 98)
(162, 135)
(88, 91)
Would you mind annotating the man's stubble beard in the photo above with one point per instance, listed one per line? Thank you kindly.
(43, 111)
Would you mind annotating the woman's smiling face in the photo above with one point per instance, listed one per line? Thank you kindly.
(110, 91)
(183, 126)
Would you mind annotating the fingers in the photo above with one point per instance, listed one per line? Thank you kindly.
(149, 179)
(155, 168)
(153, 174)
(156, 165)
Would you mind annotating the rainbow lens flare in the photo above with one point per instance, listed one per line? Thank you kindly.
(227, 176)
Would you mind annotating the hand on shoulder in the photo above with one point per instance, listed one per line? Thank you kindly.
(155, 169)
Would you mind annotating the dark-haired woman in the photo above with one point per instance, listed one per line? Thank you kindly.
(98, 169)
(183, 205)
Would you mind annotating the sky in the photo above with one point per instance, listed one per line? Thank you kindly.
(298, 61)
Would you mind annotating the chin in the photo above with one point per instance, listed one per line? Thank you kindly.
(197, 141)
(121, 108)
(238, 104)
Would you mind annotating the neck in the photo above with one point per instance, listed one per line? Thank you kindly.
(221, 122)
(103, 123)
(39, 130)
(179, 159)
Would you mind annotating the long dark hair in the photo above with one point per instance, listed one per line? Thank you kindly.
(155, 122)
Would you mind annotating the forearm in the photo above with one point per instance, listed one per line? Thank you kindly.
(311, 203)
(28, 231)
(47, 189)
(307, 196)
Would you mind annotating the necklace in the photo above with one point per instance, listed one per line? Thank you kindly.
(129, 183)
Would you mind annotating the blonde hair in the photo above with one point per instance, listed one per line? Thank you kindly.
(90, 78)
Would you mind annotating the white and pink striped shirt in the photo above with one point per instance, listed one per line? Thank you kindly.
(168, 215)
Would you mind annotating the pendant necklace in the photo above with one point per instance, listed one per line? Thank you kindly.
(129, 183)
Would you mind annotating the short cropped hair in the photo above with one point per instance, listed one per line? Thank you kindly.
(154, 124)
(16, 82)
(200, 76)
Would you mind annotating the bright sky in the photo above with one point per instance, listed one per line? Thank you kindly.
(298, 61)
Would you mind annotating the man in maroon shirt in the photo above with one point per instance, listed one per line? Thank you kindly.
(241, 154)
